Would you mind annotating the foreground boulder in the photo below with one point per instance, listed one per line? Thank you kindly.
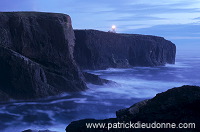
(46, 43)
(100, 50)
(177, 105)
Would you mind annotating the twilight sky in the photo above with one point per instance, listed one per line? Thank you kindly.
(176, 20)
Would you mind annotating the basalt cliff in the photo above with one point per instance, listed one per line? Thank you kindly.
(36, 55)
(40, 54)
(100, 50)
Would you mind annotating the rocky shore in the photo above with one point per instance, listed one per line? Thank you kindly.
(41, 55)
(176, 105)
(100, 50)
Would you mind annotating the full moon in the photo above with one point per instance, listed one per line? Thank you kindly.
(113, 27)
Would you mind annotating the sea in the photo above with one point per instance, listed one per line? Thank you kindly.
(99, 102)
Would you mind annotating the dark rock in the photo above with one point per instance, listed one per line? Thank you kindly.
(4, 96)
(95, 79)
(46, 39)
(126, 114)
(177, 105)
(100, 50)
(80, 126)
(22, 78)
(29, 130)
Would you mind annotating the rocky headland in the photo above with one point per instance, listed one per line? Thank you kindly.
(176, 105)
(100, 50)
(36, 58)
(41, 54)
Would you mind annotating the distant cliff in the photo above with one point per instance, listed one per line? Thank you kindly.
(176, 105)
(39, 58)
(36, 57)
(100, 50)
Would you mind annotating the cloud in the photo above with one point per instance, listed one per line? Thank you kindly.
(176, 20)
(125, 14)
(136, 18)
(197, 18)
(183, 37)
(16, 5)
(185, 30)
(133, 15)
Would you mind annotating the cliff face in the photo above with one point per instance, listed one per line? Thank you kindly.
(46, 40)
(100, 50)
(22, 78)
(38, 51)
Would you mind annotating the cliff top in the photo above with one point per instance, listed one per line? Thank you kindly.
(32, 13)
(121, 34)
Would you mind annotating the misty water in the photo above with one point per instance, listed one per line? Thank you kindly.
(99, 102)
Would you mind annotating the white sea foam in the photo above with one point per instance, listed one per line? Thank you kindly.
(132, 85)
(134, 88)
(46, 102)
(178, 65)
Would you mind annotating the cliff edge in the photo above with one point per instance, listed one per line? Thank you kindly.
(100, 50)
(45, 41)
